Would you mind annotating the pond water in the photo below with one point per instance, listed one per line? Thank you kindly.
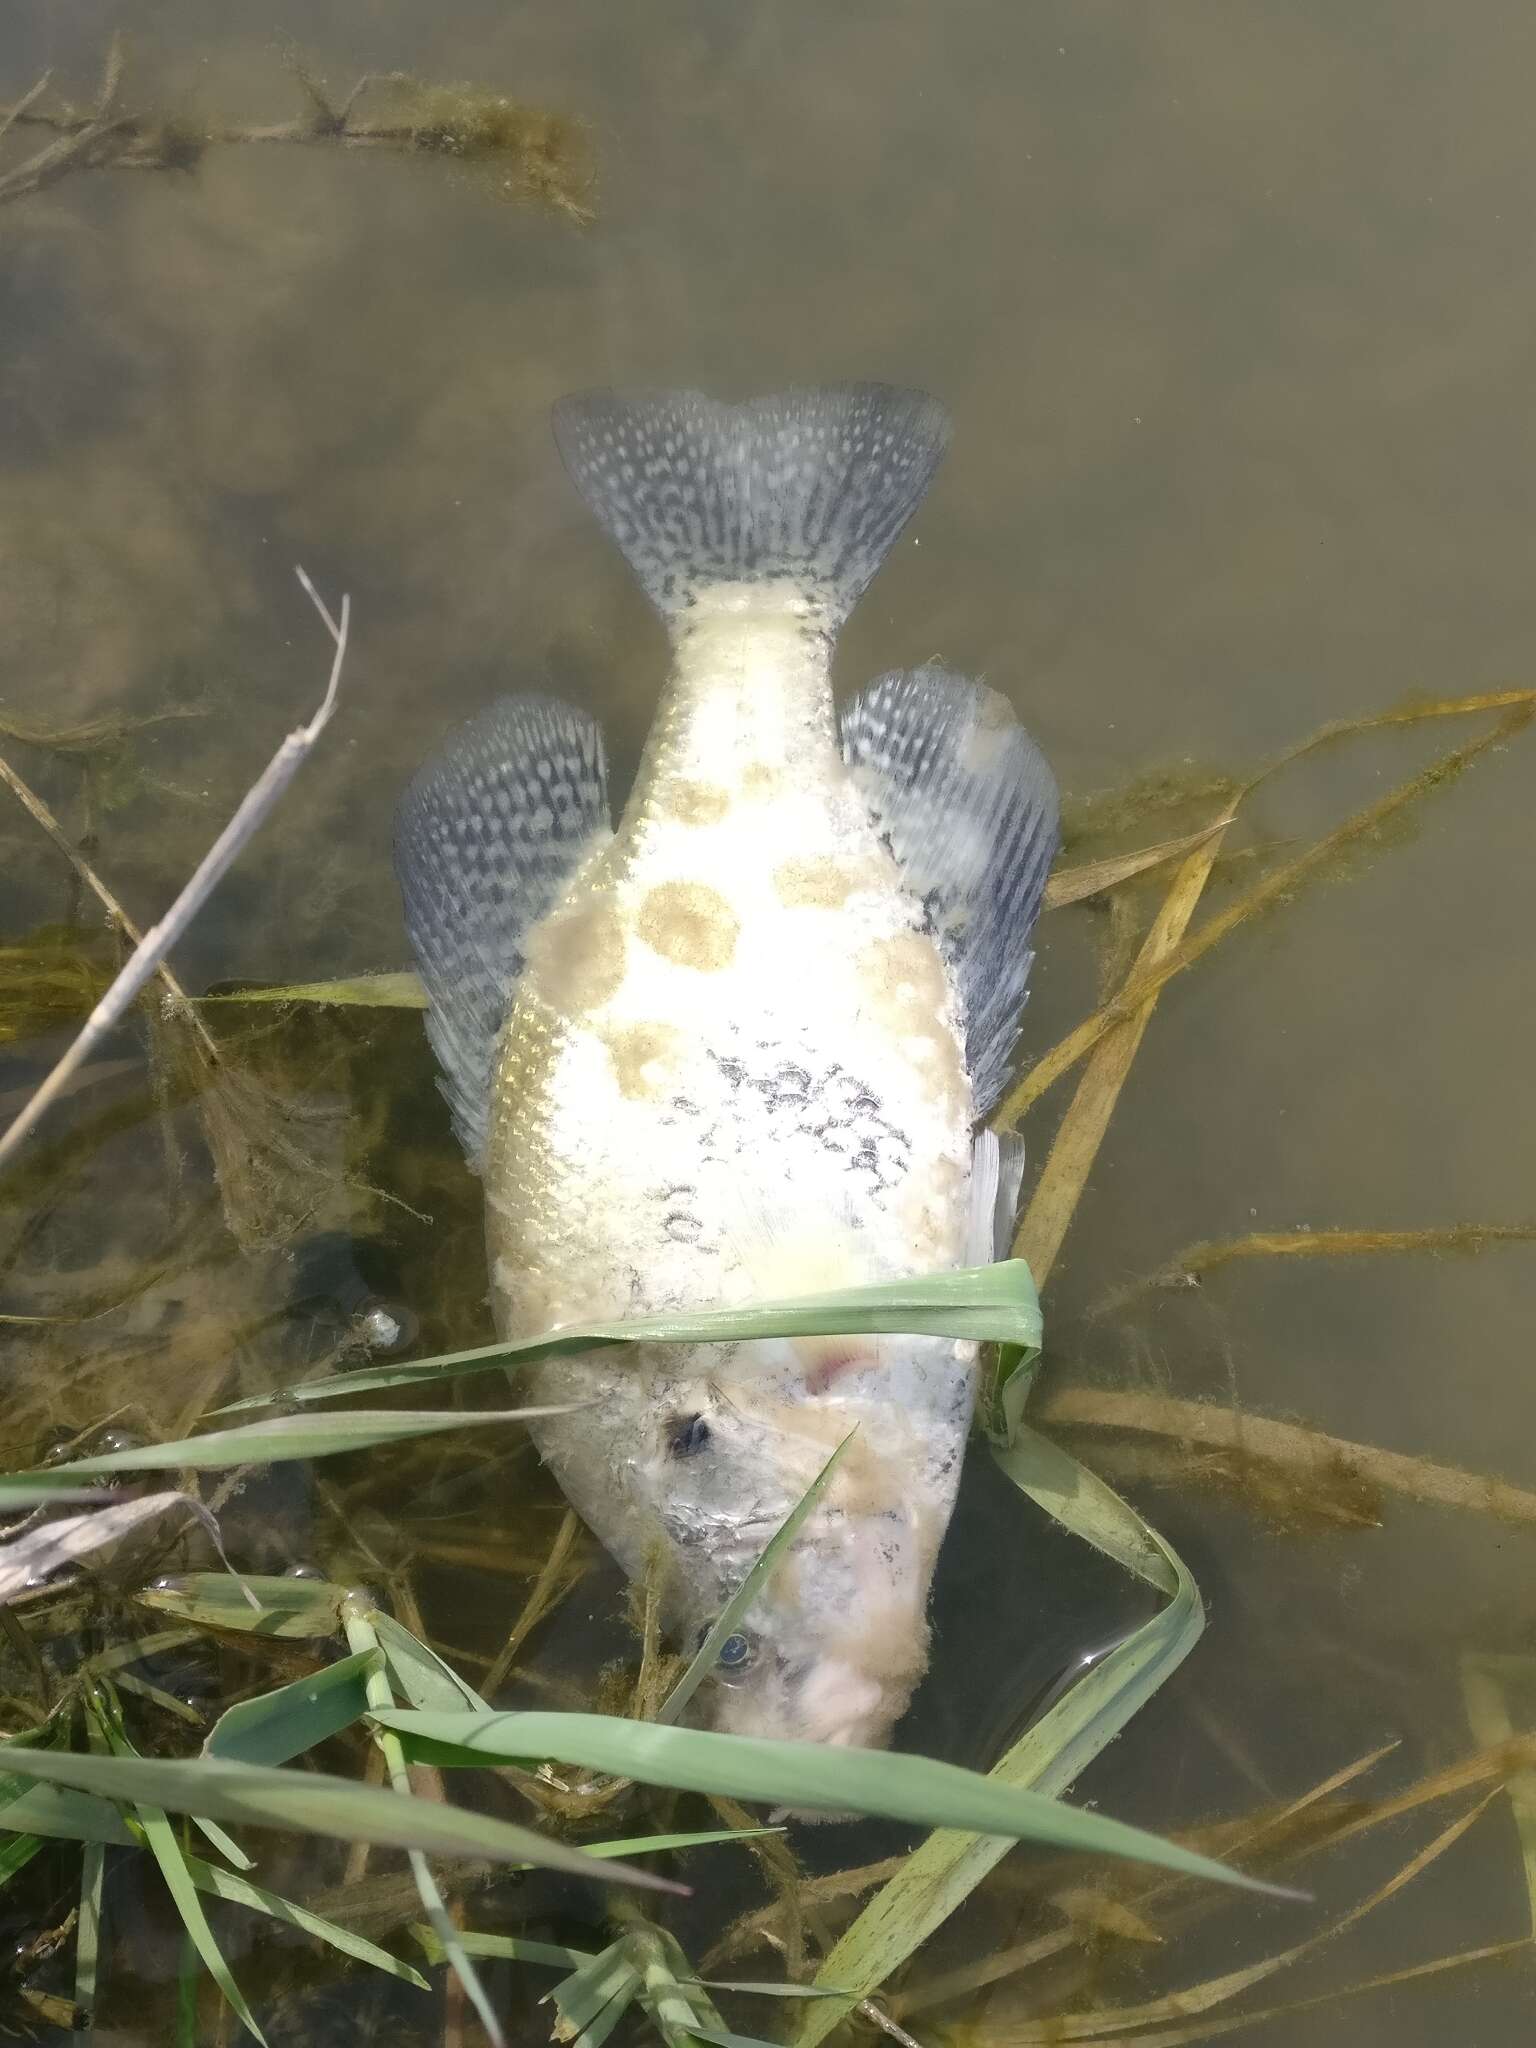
(1232, 304)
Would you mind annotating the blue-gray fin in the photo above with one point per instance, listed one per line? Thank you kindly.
(487, 835)
(966, 803)
(997, 1174)
(805, 489)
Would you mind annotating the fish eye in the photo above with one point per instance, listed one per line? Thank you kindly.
(691, 1433)
(736, 1653)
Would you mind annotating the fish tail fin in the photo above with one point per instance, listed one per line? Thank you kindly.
(805, 490)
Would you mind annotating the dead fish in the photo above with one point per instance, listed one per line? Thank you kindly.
(739, 1044)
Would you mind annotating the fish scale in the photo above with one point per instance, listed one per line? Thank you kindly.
(734, 1042)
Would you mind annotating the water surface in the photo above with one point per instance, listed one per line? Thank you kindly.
(1233, 305)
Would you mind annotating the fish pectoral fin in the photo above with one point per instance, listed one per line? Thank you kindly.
(487, 837)
(966, 802)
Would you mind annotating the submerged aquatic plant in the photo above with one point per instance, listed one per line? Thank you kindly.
(526, 153)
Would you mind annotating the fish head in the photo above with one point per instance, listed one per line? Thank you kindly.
(835, 1638)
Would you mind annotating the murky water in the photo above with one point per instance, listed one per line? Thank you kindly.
(1232, 304)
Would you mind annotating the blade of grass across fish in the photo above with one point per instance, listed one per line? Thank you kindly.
(945, 1869)
(357, 1617)
(799, 1774)
(300, 1436)
(303, 1608)
(373, 991)
(704, 1657)
(276, 1726)
(420, 1673)
(239, 1891)
(988, 1304)
(312, 1803)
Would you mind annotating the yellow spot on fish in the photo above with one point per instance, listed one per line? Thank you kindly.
(695, 803)
(689, 923)
(643, 1057)
(576, 957)
(908, 993)
(818, 883)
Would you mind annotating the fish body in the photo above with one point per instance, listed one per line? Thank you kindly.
(737, 1056)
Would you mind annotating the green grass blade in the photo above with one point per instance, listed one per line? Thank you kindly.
(29, 1809)
(420, 1673)
(122, 1654)
(188, 1980)
(639, 1845)
(945, 1869)
(595, 1997)
(16, 1852)
(312, 1803)
(373, 991)
(65, 1815)
(167, 1702)
(37, 1489)
(216, 1838)
(764, 1990)
(800, 1774)
(276, 1726)
(93, 1867)
(507, 1948)
(719, 2038)
(239, 1891)
(105, 1719)
(284, 1606)
(991, 1304)
(703, 1661)
(299, 1436)
(358, 1617)
(168, 1853)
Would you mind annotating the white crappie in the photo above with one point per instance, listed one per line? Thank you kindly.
(738, 1046)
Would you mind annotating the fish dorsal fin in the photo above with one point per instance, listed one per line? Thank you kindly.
(486, 838)
(805, 490)
(965, 800)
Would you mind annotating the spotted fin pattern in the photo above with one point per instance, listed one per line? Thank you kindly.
(806, 489)
(486, 837)
(968, 806)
